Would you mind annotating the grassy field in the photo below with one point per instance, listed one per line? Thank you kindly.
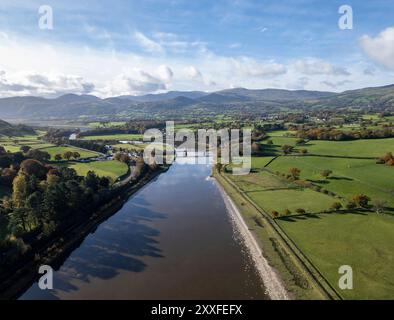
(365, 242)
(13, 144)
(113, 169)
(119, 137)
(350, 176)
(356, 148)
(260, 162)
(272, 193)
(60, 150)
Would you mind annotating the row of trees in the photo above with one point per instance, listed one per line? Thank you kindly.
(333, 134)
(387, 159)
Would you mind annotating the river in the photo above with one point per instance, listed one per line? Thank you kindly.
(173, 239)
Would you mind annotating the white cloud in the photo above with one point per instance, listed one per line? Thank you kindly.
(165, 73)
(23, 83)
(147, 43)
(136, 82)
(313, 66)
(251, 67)
(381, 47)
(192, 73)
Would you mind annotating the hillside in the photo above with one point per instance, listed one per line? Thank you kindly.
(7, 129)
(178, 103)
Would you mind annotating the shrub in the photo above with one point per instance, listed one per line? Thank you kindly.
(300, 211)
(275, 214)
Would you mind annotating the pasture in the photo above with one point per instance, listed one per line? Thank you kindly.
(350, 176)
(363, 241)
(85, 154)
(112, 169)
(358, 148)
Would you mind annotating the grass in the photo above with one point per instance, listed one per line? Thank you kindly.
(356, 148)
(291, 199)
(118, 137)
(275, 194)
(350, 176)
(365, 242)
(60, 150)
(275, 251)
(113, 169)
(260, 162)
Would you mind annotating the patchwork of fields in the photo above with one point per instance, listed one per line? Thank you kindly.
(362, 239)
(112, 169)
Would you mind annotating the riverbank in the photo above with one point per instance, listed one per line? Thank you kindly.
(299, 282)
(272, 282)
(55, 251)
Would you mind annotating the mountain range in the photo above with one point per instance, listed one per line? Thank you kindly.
(176, 103)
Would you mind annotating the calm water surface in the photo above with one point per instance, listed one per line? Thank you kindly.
(173, 239)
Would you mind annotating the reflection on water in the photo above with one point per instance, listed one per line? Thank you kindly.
(171, 240)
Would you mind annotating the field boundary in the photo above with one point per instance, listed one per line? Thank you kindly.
(312, 271)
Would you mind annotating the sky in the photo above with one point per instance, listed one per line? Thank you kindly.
(118, 47)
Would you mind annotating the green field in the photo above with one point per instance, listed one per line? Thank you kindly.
(272, 193)
(113, 169)
(60, 150)
(357, 148)
(13, 144)
(119, 137)
(350, 176)
(363, 241)
(260, 162)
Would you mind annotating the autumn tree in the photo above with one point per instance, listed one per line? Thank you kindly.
(295, 173)
(336, 206)
(68, 155)
(326, 173)
(361, 200)
(287, 149)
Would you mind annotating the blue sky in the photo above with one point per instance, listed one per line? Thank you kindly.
(135, 47)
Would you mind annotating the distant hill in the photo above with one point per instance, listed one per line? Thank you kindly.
(165, 96)
(382, 97)
(7, 129)
(241, 94)
(179, 103)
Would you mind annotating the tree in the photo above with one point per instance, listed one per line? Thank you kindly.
(25, 149)
(33, 167)
(287, 149)
(301, 211)
(38, 155)
(295, 173)
(256, 147)
(68, 155)
(58, 157)
(326, 173)
(379, 205)
(19, 188)
(76, 155)
(361, 200)
(336, 206)
(351, 205)
(303, 151)
(275, 214)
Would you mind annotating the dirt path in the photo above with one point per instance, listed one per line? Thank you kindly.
(273, 284)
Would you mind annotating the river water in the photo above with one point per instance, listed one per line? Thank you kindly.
(173, 239)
